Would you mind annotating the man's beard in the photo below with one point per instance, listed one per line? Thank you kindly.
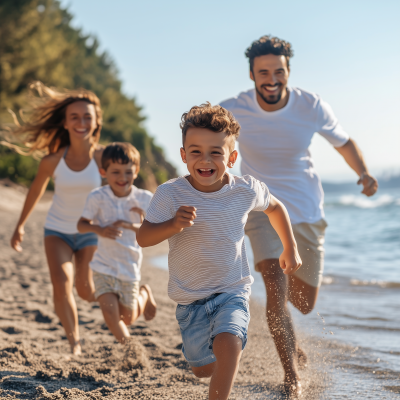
(273, 99)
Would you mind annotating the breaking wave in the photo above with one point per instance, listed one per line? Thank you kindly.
(341, 280)
(351, 200)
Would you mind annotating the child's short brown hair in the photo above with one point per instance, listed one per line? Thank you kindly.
(121, 153)
(214, 118)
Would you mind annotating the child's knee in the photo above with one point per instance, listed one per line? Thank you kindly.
(205, 371)
(128, 319)
(128, 315)
(227, 346)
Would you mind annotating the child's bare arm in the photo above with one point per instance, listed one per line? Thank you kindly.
(151, 234)
(289, 260)
(129, 225)
(109, 231)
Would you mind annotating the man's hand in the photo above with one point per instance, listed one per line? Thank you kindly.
(290, 261)
(369, 182)
(111, 231)
(184, 217)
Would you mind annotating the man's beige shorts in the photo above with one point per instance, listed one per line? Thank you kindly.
(310, 240)
(127, 292)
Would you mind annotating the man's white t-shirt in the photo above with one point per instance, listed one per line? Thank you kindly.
(210, 256)
(120, 258)
(274, 147)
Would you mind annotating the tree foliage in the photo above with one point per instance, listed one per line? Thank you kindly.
(37, 42)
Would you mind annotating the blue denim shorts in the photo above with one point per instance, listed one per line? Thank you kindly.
(76, 241)
(204, 319)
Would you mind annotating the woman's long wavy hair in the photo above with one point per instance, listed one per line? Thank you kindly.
(43, 131)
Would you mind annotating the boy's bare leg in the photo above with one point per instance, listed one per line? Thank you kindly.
(147, 304)
(110, 307)
(83, 274)
(280, 322)
(227, 349)
(128, 315)
(59, 258)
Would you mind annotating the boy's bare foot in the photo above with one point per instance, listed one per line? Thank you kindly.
(302, 358)
(76, 348)
(150, 307)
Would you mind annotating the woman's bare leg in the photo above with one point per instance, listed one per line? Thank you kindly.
(59, 258)
(83, 274)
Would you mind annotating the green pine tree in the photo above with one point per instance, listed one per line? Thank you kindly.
(37, 42)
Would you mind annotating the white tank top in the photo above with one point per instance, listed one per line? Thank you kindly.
(71, 189)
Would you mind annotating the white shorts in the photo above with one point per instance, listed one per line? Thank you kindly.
(310, 240)
(127, 292)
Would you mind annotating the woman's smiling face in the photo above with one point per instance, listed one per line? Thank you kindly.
(207, 155)
(80, 120)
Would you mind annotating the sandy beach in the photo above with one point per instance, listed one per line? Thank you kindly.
(35, 361)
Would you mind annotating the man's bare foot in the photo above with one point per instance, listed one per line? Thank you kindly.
(76, 348)
(302, 358)
(150, 307)
(292, 388)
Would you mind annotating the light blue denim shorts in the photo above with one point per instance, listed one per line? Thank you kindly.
(76, 241)
(201, 321)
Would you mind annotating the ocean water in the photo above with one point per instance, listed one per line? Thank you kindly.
(358, 308)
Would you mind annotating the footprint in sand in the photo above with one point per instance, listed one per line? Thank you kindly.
(39, 316)
(11, 330)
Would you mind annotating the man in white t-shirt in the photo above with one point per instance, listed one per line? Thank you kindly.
(277, 125)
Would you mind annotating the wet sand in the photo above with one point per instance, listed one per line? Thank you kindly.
(35, 362)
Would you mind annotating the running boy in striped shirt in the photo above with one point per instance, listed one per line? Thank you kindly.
(203, 215)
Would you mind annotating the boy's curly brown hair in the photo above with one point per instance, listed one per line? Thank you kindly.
(214, 118)
(269, 45)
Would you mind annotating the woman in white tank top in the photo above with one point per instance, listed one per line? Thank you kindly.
(65, 126)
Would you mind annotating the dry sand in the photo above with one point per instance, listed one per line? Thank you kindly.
(35, 361)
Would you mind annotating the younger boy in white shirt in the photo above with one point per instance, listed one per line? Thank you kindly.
(115, 212)
(203, 215)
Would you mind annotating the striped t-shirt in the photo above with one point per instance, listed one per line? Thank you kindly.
(210, 256)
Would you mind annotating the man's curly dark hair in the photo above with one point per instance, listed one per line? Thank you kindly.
(269, 45)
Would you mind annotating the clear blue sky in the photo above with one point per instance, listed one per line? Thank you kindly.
(172, 55)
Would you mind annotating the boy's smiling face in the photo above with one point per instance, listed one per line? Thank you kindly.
(120, 177)
(207, 155)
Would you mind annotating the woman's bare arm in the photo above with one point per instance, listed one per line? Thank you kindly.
(36, 190)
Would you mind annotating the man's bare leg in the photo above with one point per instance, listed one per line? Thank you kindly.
(279, 320)
(281, 288)
(303, 296)
(227, 349)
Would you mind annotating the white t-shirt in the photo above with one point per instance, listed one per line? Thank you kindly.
(274, 147)
(120, 258)
(210, 256)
